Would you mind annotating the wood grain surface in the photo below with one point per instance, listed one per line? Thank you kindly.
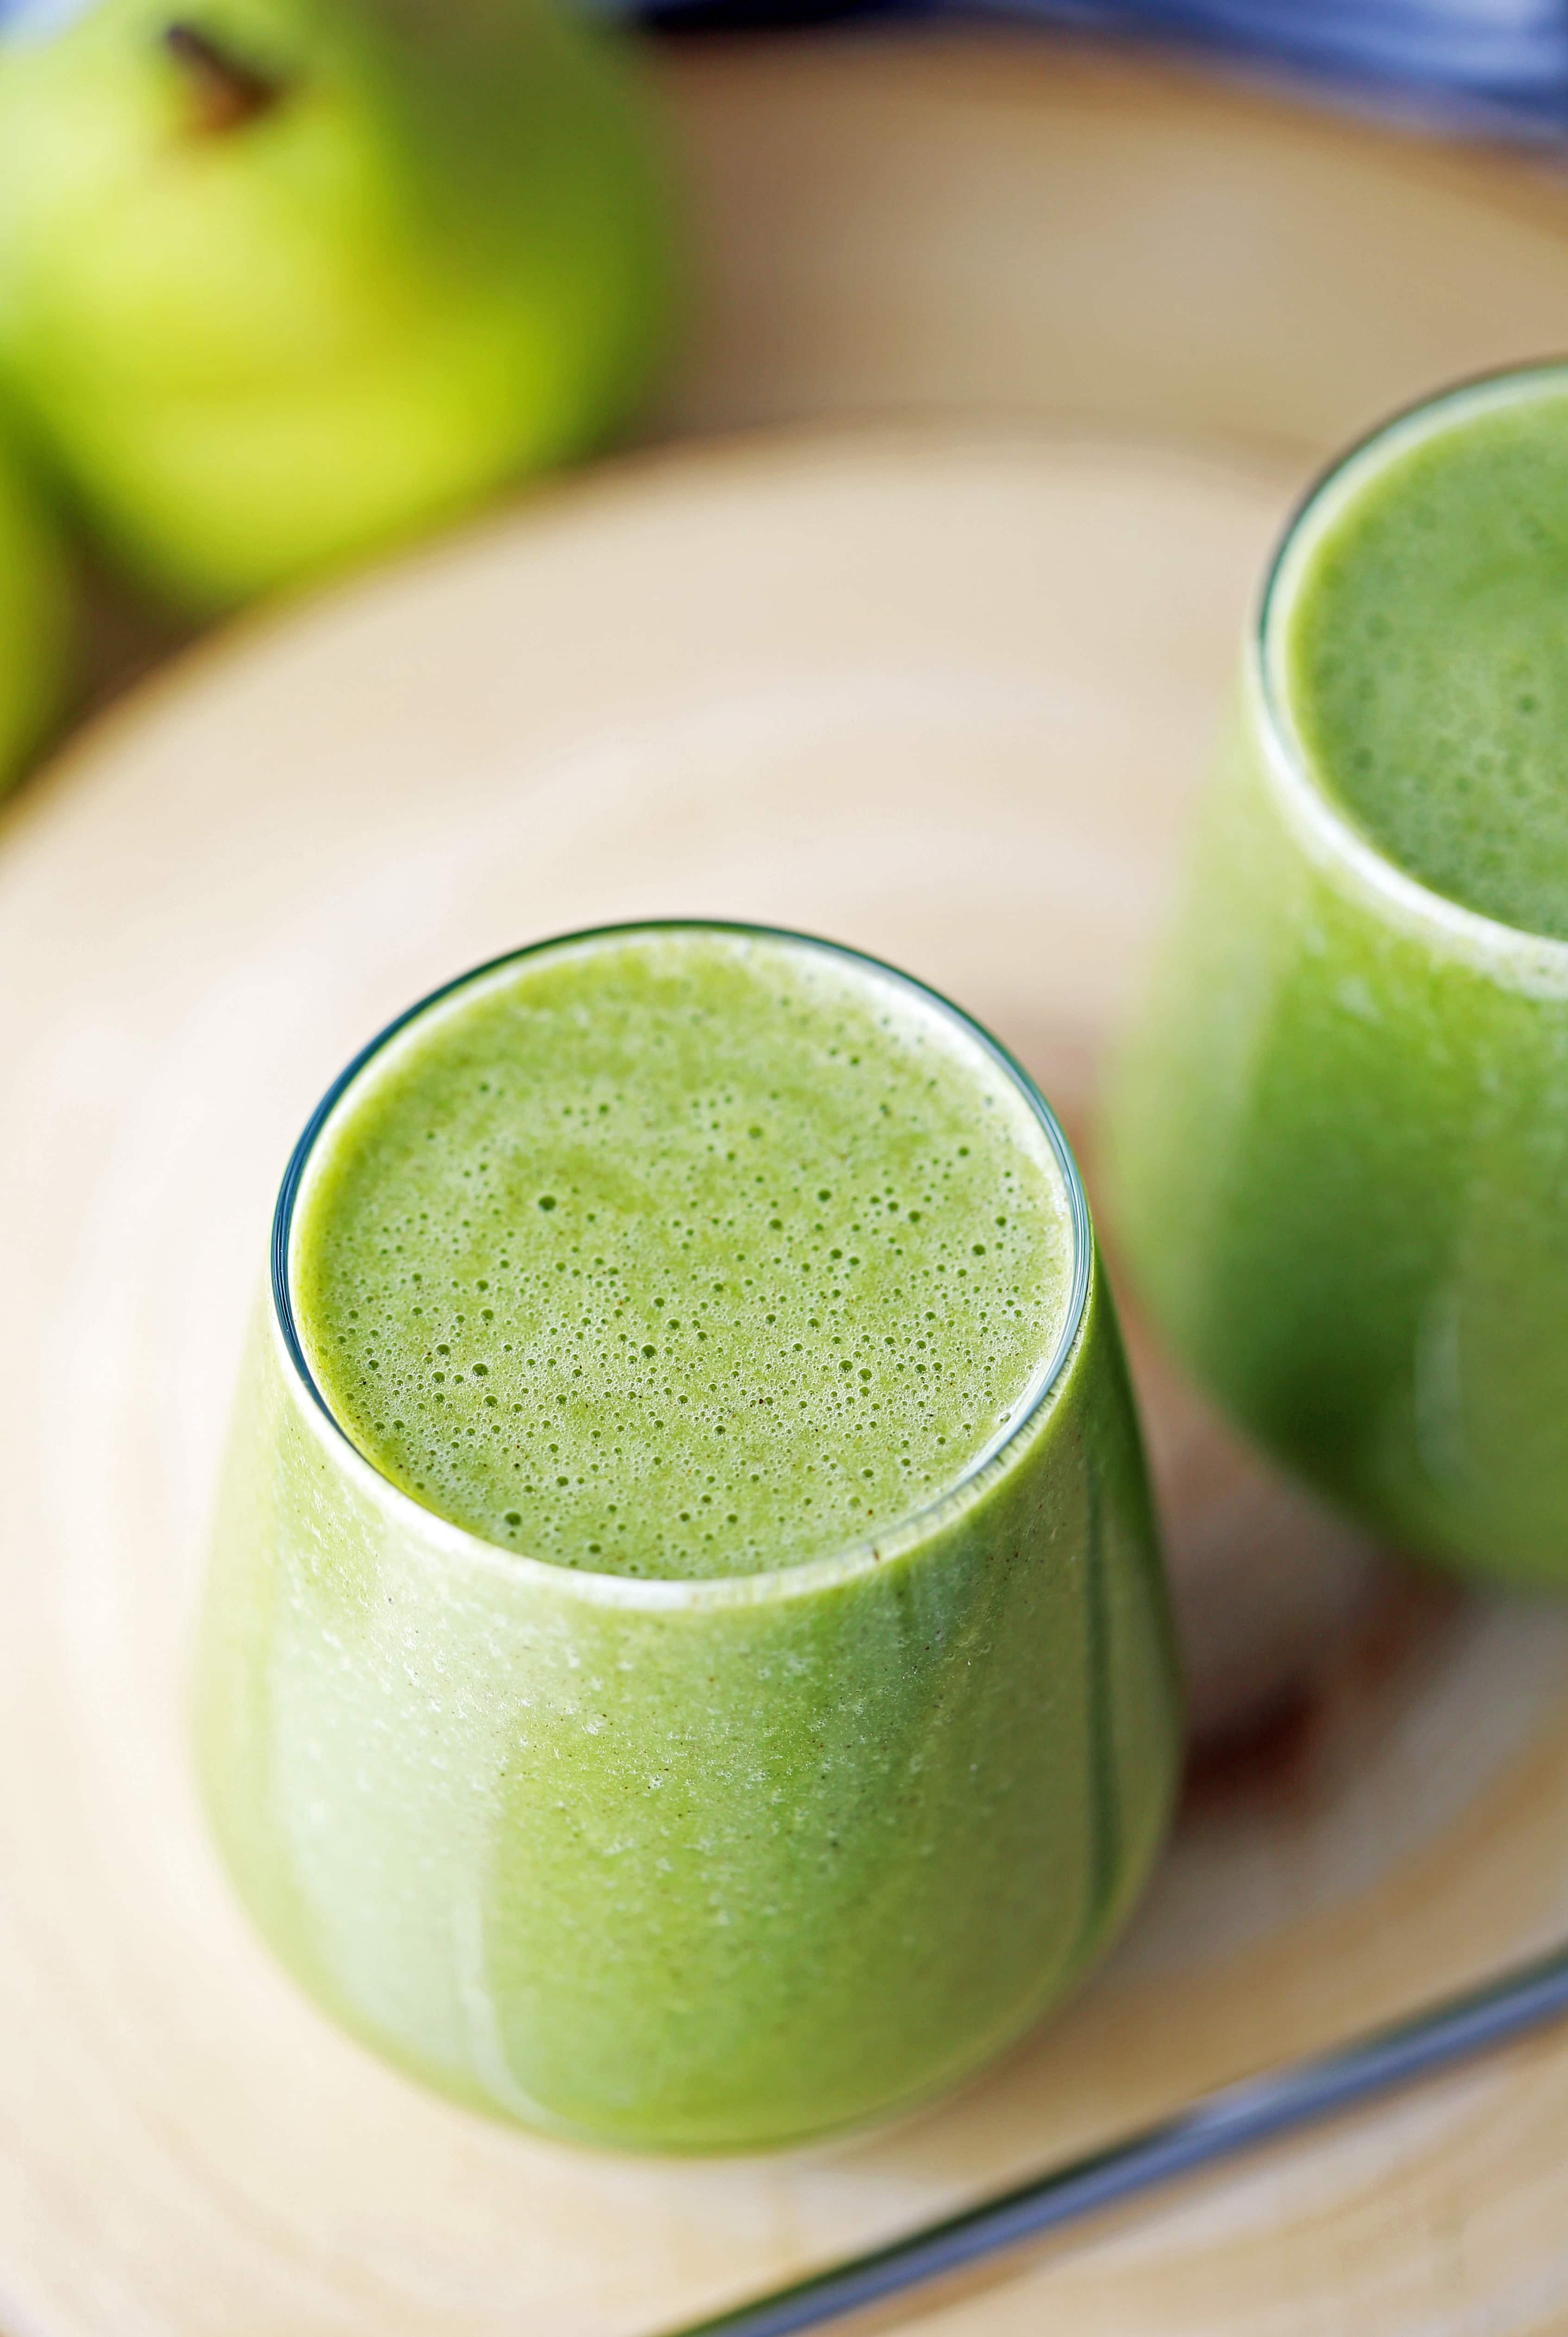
(941, 687)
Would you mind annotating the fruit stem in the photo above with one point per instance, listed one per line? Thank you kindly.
(228, 93)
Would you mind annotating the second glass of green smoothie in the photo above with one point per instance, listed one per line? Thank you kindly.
(1338, 1140)
(686, 1662)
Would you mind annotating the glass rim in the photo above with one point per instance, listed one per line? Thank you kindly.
(675, 1591)
(1327, 824)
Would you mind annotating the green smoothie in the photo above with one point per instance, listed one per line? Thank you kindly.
(683, 1255)
(1425, 652)
(685, 1662)
(1339, 1140)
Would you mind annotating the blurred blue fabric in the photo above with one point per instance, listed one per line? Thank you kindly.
(1498, 65)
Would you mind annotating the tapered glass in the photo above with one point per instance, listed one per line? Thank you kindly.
(1339, 1137)
(689, 1864)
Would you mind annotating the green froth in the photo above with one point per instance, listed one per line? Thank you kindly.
(1427, 661)
(682, 1253)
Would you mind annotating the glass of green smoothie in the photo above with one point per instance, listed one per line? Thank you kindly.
(686, 1662)
(1339, 1139)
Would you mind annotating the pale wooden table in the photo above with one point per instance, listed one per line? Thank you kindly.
(942, 687)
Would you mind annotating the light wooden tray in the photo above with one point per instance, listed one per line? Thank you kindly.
(940, 687)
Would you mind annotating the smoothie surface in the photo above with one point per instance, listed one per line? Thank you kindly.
(1426, 658)
(682, 1253)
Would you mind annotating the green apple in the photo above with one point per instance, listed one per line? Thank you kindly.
(284, 280)
(35, 621)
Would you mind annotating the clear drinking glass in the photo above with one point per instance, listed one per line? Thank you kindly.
(689, 1864)
(1338, 1141)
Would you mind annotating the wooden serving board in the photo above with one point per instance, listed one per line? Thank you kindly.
(938, 687)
